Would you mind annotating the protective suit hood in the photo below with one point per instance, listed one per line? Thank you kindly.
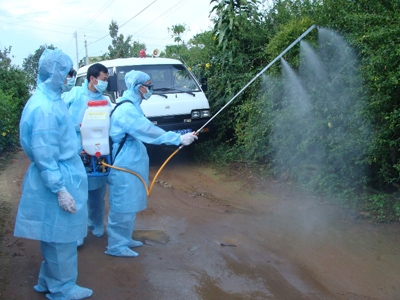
(54, 66)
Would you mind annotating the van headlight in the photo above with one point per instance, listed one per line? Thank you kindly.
(201, 113)
(205, 113)
(195, 114)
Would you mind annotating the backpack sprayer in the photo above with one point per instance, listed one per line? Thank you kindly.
(102, 159)
(95, 131)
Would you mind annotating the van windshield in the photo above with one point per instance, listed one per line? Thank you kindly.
(165, 78)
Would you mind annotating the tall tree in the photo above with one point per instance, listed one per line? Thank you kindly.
(201, 50)
(231, 14)
(177, 31)
(136, 47)
(122, 47)
(5, 60)
(239, 37)
(178, 51)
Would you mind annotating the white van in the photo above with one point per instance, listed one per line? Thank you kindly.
(178, 102)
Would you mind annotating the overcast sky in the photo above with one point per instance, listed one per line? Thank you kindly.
(26, 24)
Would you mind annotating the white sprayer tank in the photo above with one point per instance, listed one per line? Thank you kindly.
(95, 128)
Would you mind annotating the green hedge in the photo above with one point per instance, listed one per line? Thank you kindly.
(348, 144)
(14, 92)
(10, 113)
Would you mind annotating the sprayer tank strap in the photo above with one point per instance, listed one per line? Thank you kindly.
(118, 104)
(122, 142)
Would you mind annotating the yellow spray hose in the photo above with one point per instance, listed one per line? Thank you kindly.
(148, 190)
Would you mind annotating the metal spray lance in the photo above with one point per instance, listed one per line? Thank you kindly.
(259, 74)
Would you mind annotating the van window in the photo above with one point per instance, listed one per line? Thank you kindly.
(165, 78)
(79, 81)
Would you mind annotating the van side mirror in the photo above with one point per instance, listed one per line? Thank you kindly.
(112, 83)
(203, 83)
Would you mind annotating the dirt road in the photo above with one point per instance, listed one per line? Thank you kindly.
(209, 235)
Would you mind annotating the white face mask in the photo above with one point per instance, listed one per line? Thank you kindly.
(147, 95)
(149, 91)
(69, 85)
(101, 85)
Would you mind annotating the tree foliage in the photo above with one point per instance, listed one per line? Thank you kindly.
(176, 32)
(14, 92)
(180, 50)
(239, 39)
(246, 39)
(201, 50)
(372, 29)
(121, 47)
(231, 15)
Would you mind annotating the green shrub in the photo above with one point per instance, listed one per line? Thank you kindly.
(14, 92)
(10, 114)
(382, 207)
(348, 140)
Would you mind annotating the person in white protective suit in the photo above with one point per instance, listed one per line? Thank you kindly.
(53, 207)
(77, 99)
(126, 194)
